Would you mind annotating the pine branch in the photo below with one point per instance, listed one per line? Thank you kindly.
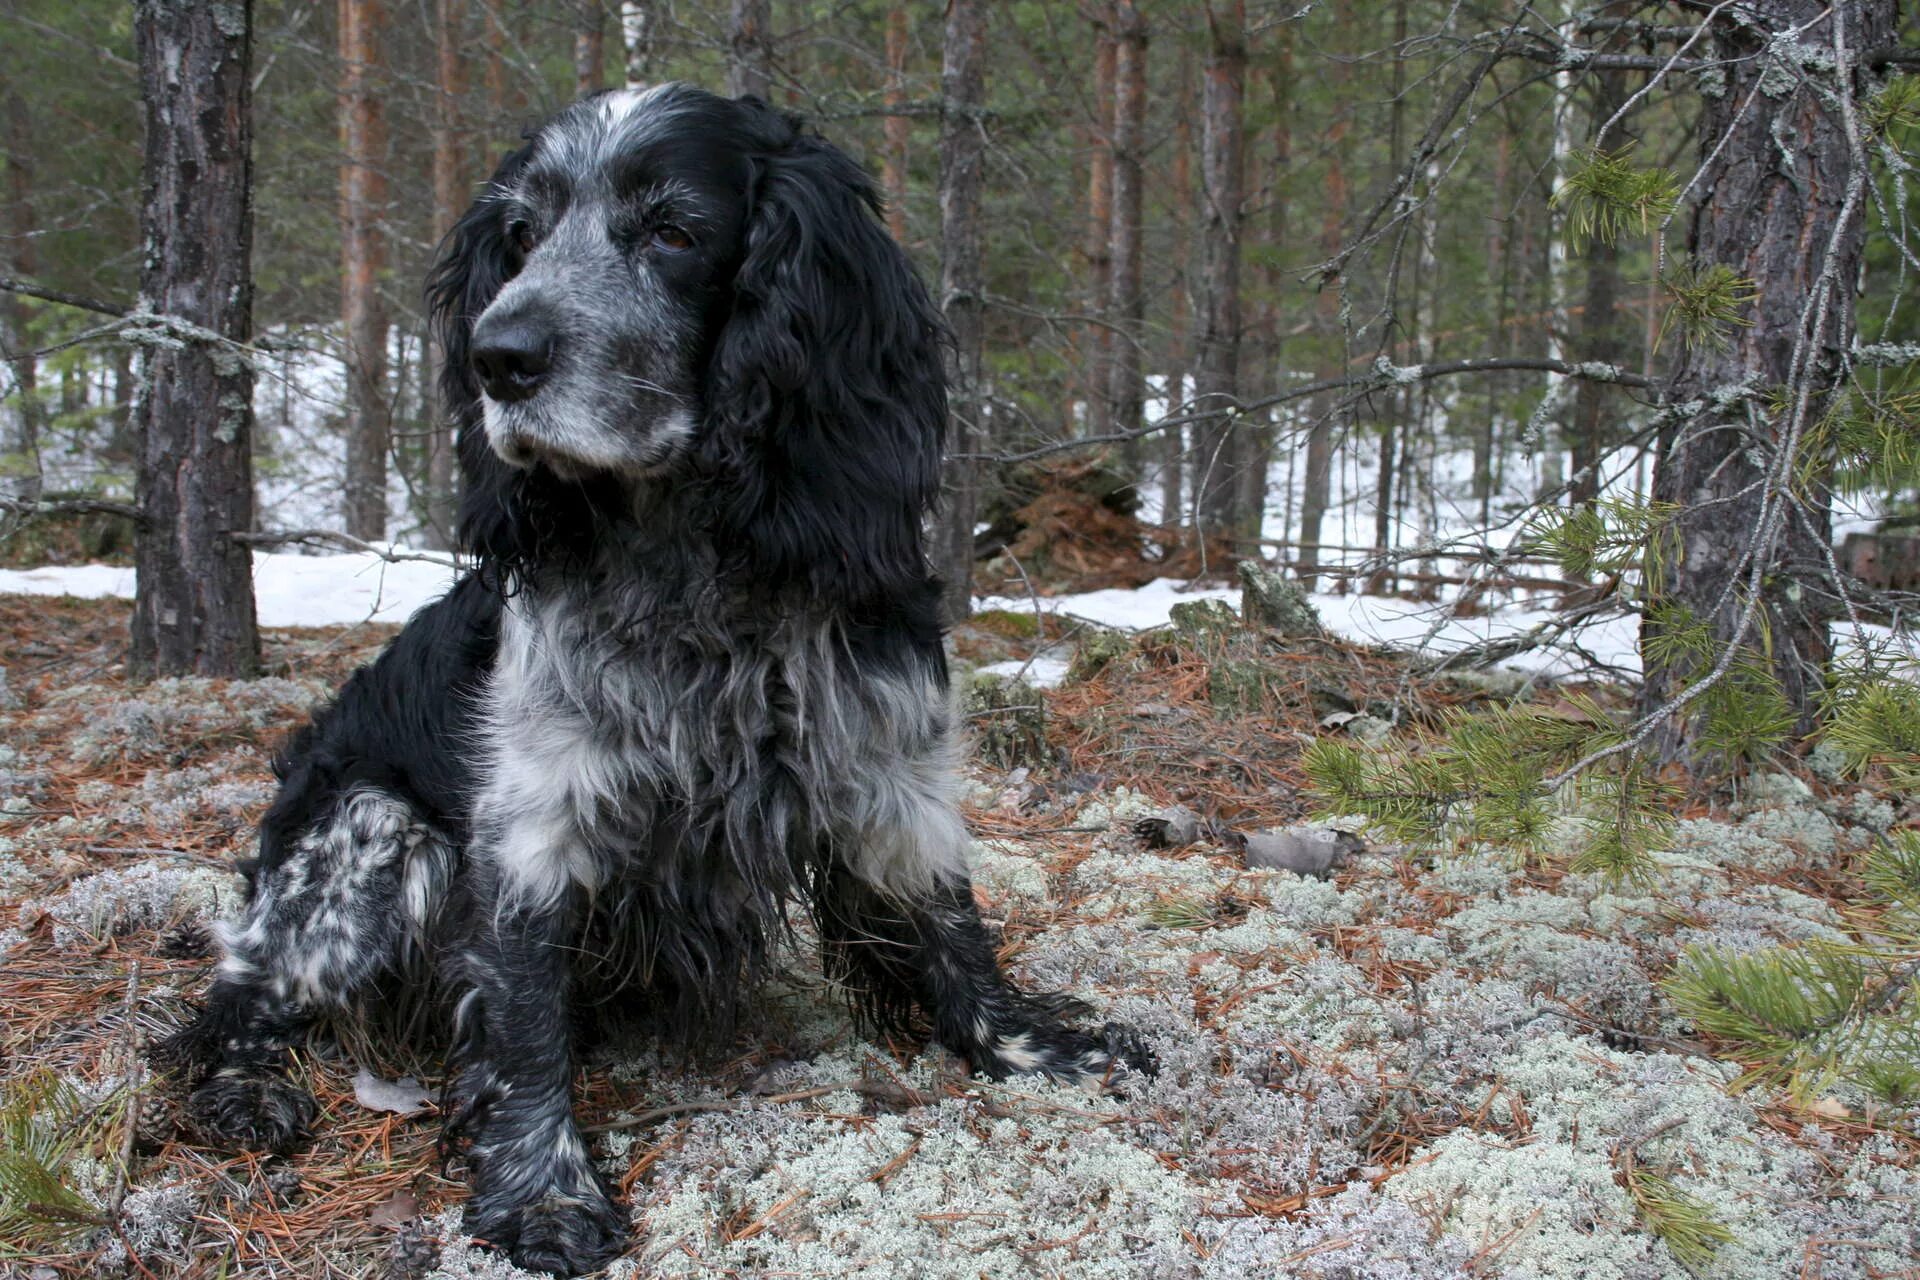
(27, 288)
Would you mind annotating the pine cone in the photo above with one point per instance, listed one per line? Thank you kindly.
(156, 1122)
(282, 1183)
(413, 1252)
(186, 942)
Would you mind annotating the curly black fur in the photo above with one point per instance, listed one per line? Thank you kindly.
(695, 681)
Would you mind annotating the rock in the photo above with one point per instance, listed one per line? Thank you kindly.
(1239, 686)
(1096, 651)
(1008, 718)
(1369, 730)
(1203, 623)
(1173, 827)
(1268, 600)
(1772, 789)
(1307, 851)
(404, 1097)
(1827, 762)
(1329, 698)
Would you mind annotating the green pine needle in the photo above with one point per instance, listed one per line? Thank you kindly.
(1681, 1220)
(1706, 301)
(1606, 194)
(44, 1123)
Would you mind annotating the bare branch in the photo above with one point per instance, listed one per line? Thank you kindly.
(334, 538)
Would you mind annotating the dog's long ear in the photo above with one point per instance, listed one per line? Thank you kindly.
(826, 393)
(474, 261)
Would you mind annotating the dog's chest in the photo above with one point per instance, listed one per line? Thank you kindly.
(634, 735)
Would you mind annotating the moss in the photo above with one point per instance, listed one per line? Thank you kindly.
(1096, 651)
(1203, 624)
(1268, 599)
(1007, 623)
(1008, 720)
(1241, 686)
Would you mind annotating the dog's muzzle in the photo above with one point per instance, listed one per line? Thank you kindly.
(512, 356)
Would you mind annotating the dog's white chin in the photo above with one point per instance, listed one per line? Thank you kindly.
(575, 455)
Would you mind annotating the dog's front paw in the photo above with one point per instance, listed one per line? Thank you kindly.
(1124, 1051)
(562, 1234)
(1061, 1051)
(250, 1110)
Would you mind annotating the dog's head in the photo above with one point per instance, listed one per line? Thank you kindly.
(669, 286)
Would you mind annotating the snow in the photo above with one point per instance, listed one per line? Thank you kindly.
(1367, 619)
(290, 590)
(295, 590)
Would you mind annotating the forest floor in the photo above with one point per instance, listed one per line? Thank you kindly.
(1431, 1063)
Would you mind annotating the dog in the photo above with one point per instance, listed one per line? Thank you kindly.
(693, 683)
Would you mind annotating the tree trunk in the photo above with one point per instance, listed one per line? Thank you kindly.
(1500, 275)
(1317, 477)
(193, 602)
(640, 39)
(1255, 446)
(1599, 338)
(1396, 407)
(898, 128)
(962, 150)
(589, 48)
(1126, 381)
(1097, 347)
(20, 229)
(1217, 354)
(1782, 220)
(448, 164)
(1179, 307)
(363, 314)
(750, 49)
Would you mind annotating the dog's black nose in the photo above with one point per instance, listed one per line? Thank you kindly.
(512, 358)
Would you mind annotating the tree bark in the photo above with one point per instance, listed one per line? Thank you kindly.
(962, 151)
(1782, 220)
(363, 314)
(1398, 405)
(640, 39)
(1126, 389)
(589, 48)
(1179, 307)
(1097, 341)
(448, 179)
(1500, 279)
(1316, 483)
(750, 49)
(898, 128)
(14, 312)
(1599, 338)
(193, 603)
(1255, 446)
(1217, 353)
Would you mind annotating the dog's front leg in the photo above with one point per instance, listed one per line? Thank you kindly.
(537, 1196)
(933, 951)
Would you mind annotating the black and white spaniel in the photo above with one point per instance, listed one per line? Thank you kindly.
(695, 679)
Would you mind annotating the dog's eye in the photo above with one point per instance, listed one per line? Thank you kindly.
(672, 239)
(520, 231)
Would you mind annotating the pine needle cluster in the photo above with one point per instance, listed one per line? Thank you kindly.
(1814, 1013)
(1479, 779)
(1704, 303)
(45, 1124)
(1688, 1227)
(1606, 195)
(1868, 441)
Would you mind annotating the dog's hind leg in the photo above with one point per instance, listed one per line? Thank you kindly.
(537, 1196)
(326, 915)
(932, 951)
